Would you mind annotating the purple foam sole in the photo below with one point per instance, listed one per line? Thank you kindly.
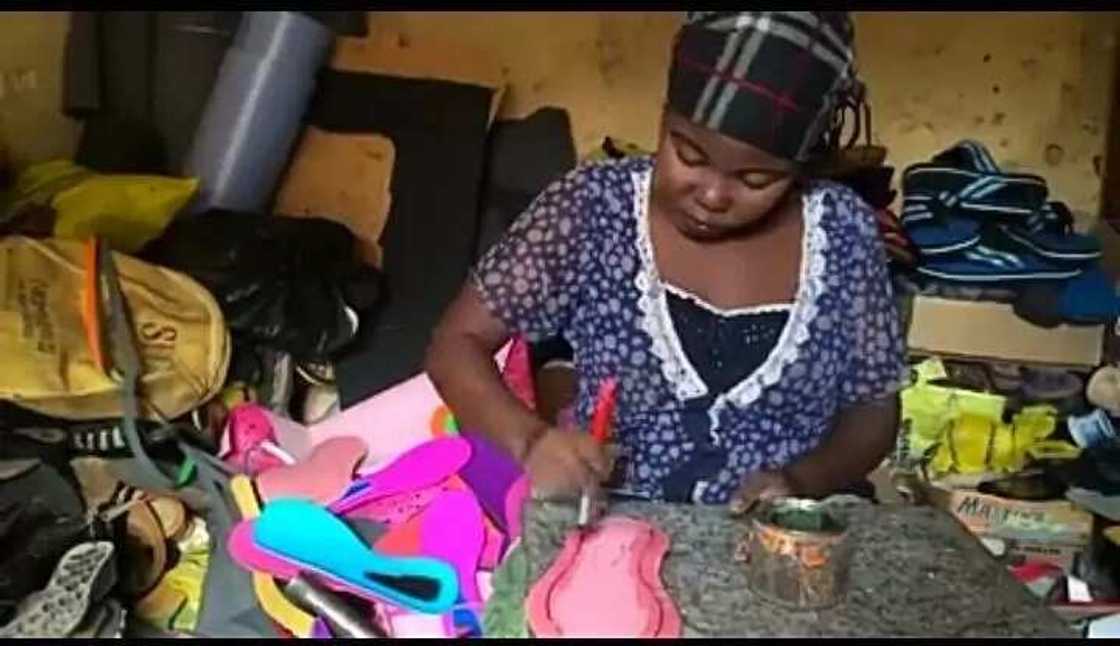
(490, 473)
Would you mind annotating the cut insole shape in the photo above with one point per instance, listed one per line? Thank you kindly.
(312, 538)
(250, 556)
(492, 547)
(322, 477)
(274, 603)
(606, 583)
(490, 474)
(397, 509)
(403, 539)
(452, 531)
(423, 466)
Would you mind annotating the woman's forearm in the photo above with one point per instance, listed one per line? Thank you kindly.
(461, 365)
(862, 437)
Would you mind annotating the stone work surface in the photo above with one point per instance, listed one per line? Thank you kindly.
(915, 572)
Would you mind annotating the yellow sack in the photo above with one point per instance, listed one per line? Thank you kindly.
(48, 365)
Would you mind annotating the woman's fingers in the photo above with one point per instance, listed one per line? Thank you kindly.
(760, 485)
(594, 455)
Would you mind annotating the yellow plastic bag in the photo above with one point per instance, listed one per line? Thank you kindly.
(127, 211)
(978, 444)
(929, 411)
(38, 184)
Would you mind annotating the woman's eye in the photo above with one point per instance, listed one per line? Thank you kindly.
(689, 157)
(758, 179)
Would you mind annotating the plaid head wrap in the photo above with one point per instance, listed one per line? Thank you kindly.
(771, 79)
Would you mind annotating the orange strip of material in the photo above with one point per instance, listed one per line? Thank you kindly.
(91, 313)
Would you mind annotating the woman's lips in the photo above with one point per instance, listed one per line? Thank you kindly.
(700, 224)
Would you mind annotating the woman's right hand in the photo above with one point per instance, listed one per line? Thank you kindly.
(563, 463)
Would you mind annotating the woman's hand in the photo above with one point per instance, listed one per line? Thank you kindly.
(562, 463)
(761, 485)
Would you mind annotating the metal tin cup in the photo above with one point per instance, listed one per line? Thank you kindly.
(797, 553)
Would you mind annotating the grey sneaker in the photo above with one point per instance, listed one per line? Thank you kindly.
(106, 620)
(83, 576)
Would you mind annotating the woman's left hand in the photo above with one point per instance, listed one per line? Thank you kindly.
(761, 485)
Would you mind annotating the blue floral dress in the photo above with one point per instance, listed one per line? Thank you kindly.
(579, 263)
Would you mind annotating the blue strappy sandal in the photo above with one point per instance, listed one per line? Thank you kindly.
(965, 183)
(993, 260)
(1049, 234)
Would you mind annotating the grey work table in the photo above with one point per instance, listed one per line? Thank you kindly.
(915, 572)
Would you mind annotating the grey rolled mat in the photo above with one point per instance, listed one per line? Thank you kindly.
(189, 48)
(253, 116)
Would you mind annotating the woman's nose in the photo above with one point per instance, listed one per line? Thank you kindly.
(714, 196)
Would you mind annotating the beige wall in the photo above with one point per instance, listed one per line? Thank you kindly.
(32, 127)
(1035, 87)
(1022, 83)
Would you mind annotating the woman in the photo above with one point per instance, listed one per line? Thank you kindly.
(744, 308)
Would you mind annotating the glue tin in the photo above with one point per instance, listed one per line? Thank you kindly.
(797, 553)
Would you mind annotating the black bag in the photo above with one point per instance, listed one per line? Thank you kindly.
(281, 282)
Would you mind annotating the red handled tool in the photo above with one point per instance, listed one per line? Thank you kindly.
(602, 420)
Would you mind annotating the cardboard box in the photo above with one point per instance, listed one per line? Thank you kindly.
(985, 330)
(1057, 554)
(1033, 524)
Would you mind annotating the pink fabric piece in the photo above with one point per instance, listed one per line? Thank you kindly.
(246, 427)
(452, 531)
(390, 422)
(420, 467)
(322, 477)
(606, 583)
(486, 584)
(515, 504)
(492, 548)
(518, 373)
(417, 626)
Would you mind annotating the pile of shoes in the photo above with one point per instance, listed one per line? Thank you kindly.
(74, 602)
(57, 572)
(976, 225)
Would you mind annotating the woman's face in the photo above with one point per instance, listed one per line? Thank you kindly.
(712, 186)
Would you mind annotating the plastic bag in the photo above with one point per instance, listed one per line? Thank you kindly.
(126, 211)
(285, 283)
(928, 410)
